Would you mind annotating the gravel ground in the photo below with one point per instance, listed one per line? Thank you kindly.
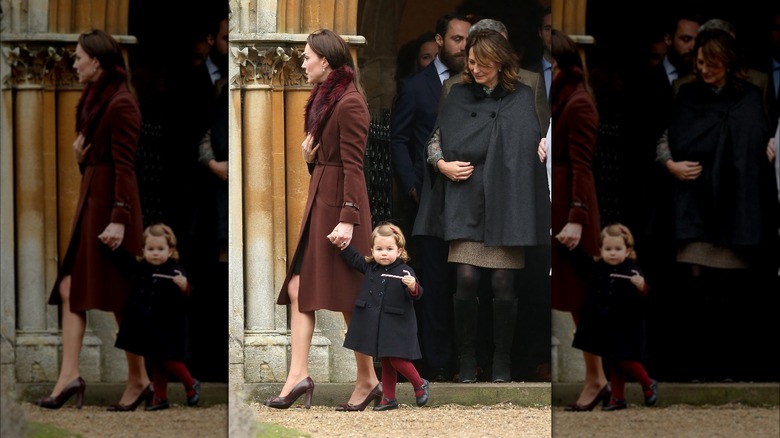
(451, 421)
(512, 421)
(727, 421)
(96, 422)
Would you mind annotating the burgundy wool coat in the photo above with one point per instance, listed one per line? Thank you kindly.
(102, 278)
(337, 193)
(575, 124)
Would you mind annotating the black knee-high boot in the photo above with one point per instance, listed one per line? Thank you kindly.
(504, 322)
(465, 334)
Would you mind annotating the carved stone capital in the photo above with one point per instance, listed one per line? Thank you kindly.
(274, 66)
(33, 63)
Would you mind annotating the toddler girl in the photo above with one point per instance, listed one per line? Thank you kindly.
(612, 322)
(383, 322)
(155, 320)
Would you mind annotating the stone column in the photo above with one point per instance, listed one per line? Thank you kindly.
(40, 180)
(29, 209)
(7, 240)
(267, 40)
(236, 299)
(68, 179)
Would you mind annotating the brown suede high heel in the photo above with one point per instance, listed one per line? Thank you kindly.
(375, 395)
(145, 396)
(304, 386)
(76, 386)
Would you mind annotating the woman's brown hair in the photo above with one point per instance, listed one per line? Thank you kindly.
(490, 47)
(327, 44)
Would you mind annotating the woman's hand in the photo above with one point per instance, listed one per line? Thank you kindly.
(341, 235)
(770, 149)
(684, 170)
(570, 235)
(79, 150)
(113, 235)
(308, 149)
(542, 150)
(219, 168)
(455, 170)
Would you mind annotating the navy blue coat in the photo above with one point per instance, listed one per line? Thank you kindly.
(413, 117)
(612, 320)
(383, 321)
(155, 320)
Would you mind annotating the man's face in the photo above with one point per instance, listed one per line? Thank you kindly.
(775, 36)
(545, 32)
(453, 45)
(221, 42)
(682, 42)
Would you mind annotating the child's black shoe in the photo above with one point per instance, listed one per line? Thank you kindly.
(615, 405)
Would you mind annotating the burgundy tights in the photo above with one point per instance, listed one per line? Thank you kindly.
(618, 377)
(393, 365)
(178, 369)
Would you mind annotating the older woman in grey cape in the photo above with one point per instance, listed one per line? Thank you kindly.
(488, 197)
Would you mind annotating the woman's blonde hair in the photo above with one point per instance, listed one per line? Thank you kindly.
(618, 230)
(387, 229)
(161, 230)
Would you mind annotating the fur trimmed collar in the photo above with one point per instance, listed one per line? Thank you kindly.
(563, 86)
(323, 99)
(93, 101)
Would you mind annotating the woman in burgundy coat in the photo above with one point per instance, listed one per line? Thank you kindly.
(575, 211)
(337, 123)
(97, 271)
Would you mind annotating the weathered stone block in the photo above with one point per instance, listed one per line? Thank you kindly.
(569, 366)
(266, 357)
(38, 358)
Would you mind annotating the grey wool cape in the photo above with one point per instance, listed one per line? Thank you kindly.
(506, 200)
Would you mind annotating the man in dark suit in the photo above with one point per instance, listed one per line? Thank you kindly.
(645, 204)
(773, 90)
(544, 65)
(413, 117)
(202, 98)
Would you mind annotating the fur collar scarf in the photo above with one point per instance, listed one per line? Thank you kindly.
(94, 100)
(563, 86)
(323, 99)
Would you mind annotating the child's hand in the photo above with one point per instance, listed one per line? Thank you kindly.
(180, 280)
(638, 281)
(334, 240)
(410, 282)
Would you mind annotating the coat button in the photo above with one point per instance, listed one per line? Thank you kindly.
(493, 115)
(473, 114)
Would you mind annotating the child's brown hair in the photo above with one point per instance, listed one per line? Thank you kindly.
(618, 230)
(387, 229)
(161, 230)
